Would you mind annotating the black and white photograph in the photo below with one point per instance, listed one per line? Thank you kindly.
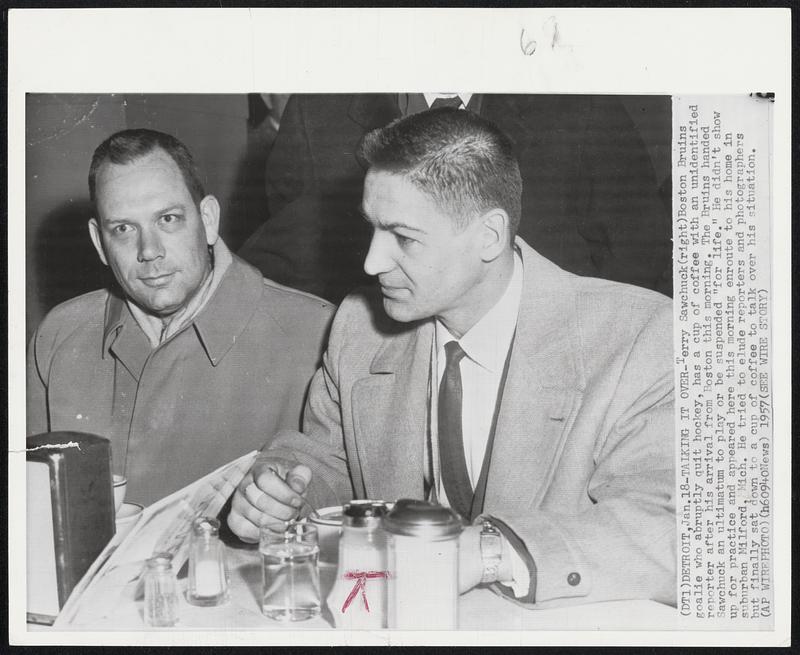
(396, 364)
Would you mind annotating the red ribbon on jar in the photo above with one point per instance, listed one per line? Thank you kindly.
(361, 578)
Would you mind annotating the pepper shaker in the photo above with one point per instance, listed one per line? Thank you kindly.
(160, 592)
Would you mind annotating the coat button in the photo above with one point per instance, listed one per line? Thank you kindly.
(574, 579)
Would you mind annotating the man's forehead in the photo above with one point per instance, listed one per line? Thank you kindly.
(392, 188)
(157, 163)
(391, 198)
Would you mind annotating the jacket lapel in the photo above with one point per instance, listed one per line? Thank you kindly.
(542, 393)
(123, 338)
(390, 416)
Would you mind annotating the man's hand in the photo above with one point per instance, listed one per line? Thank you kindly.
(269, 495)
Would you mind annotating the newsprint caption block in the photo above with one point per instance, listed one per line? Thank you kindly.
(721, 196)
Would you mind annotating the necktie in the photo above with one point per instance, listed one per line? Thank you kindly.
(451, 441)
(454, 102)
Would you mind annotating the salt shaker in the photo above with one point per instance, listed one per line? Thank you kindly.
(358, 598)
(208, 571)
(423, 565)
(160, 592)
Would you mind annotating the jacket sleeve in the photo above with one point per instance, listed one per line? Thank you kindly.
(623, 219)
(36, 389)
(321, 444)
(623, 546)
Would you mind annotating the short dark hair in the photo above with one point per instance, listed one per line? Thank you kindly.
(464, 162)
(129, 145)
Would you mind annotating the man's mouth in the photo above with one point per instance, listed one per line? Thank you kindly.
(392, 292)
(157, 281)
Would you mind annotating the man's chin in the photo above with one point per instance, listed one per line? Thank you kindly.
(160, 306)
(399, 311)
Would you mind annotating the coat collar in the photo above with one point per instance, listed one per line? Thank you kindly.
(217, 326)
(547, 325)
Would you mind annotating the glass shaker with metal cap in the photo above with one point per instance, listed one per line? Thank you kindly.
(208, 571)
(160, 592)
(358, 598)
(423, 565)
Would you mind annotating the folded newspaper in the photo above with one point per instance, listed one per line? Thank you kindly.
(164, 526)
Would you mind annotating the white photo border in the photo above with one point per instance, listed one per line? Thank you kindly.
(625, 51)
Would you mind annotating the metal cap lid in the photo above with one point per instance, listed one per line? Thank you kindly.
(363, 513)
(205, 525)
(160, 561)
(419, 518)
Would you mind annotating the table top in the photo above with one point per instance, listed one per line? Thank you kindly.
(479, 609)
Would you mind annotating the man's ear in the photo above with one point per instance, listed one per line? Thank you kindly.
(94, 233)
(209, 213)
(494, 233)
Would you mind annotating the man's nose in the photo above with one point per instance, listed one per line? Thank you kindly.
(378, 258)
(150, 246)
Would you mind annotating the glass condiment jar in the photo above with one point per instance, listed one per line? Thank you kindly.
(423, 565)
(358, 599)
(160, 592)
(208, 570)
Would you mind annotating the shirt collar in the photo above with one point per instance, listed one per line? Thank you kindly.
(413, 103)
(218, 322)
(430, 97)
(487, 342)
(153, 327)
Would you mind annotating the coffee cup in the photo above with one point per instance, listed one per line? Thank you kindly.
(127, 516)
(120, 487)
(329, 526)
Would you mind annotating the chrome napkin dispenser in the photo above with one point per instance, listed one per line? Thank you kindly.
(70, 515)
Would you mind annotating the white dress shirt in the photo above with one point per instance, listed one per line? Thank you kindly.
(486, 346)
(430, 97)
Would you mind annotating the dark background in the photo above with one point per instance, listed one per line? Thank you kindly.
(230, 137)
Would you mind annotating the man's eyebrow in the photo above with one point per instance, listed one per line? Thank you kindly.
(401, 226)
(397, 225)
(159, 212)
(166, 210)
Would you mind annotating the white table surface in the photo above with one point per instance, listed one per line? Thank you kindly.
(479, 609)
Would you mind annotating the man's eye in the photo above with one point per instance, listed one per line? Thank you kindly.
(169, 218)
(122, 229)
(404, 240)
